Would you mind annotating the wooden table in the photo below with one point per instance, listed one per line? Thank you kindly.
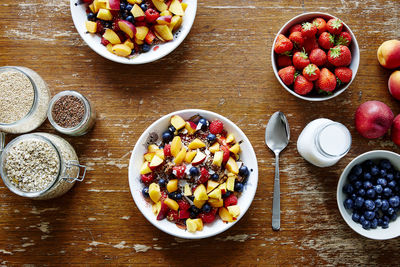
(222, 66)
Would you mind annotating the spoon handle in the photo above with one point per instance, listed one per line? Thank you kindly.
(276, 204)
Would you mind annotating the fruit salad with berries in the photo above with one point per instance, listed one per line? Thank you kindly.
(313, 57)
(130, 27)
(194, 174)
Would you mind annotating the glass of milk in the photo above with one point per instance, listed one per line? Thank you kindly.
(324, 142)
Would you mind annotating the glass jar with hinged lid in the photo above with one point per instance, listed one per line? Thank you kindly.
(39, 165)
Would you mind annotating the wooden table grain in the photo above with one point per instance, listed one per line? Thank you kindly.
(222, 66)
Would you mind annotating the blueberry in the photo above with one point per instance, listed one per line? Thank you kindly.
(359, 202)
(378, 203)
(369, 215)
(387, 191)
(238, 187)
(393, 217)
(206, 208)
(361, 192)
(146, 47)
(194, 209)
(91, 16)
(390, 211)
(374, 170)
(193, 215)
(355, 217)
(162, 182)
(381, 181)
(366, 225)
(394, 201)
(204, 123)
(390, 176)
(369, 204)
(367, 176)
(214, 177)
(374, 223)
(357, 170)
(378, 189)
(143, 7)
(178, 196)
(244, 171)
(145, 192)
(385, 164)
(348, 203)
(194, 171)
(397, 175)
(382, 173)
(172, 195)
(353, 196)
(352, 177)
(370, 193)
(385, 205)
(385, 224)
(227, 194)
(367, 185)
(211, 137)
(368, 163)
(362, 219)
(108, 24)
(167, 136)
(128, 7)
(122, 6)
(130, 19)
(380, 221)
(348, 189)
(357, 184)
(392, 184)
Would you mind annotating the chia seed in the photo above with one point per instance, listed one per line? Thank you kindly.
(68, 111)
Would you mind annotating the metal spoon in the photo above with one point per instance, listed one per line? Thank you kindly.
(277, 135)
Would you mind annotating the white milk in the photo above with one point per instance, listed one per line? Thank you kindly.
(324, 142)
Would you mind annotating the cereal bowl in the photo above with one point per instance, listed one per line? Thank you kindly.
(151, 135)
(378, 233)
(355, 53)
(78, 12)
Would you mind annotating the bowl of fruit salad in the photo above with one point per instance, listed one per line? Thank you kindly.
(133, 31)
(193, 173)
(315, 56)
(368, 194)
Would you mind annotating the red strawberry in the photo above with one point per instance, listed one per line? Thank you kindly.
(230, 200)
(334, 26)
(172, 216)
(226, 155)
(147, 178)
(167, 150)
(311, 72)
(287, 75)
(192, 124)
(308, 30)
(297, 39)
(326, 81)
(302, 86)
(184, 214)
(216, 127)
(183, 205)
(207, 217)
(204, 175)
(339, 56)
(179, 171)
(284, 61)
(320, 23)
(343, 39)
(318, 57)
(163, 211)
(104, 41)
(282, 44)
(310, 44)
(344, 74)
(300, 60)
(326, 40)
(295, 28)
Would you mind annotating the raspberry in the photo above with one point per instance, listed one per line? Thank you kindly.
(147, 178)
(183, 205)
(227, 153)
(179, 171)
(207, 217)
(204, 175)
(184, 214)
(167, 150)
(172, 215)
(230, 201)
(164, 196)
(216, 127)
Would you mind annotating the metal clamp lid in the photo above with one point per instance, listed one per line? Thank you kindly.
(81, 169)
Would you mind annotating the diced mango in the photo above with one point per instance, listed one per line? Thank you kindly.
(187, 190)
(199, 223)
(145, 169)
(216, 193)
(109, 48)
(176, 8)
(211, 185)
(196, 143)
(160, 5)
(230, 183)
(176, 120)
(155, 162)
(156, 207)
(172, 204)
(149, 156)
(104, 14)
(111, 36)
(160, 153)
(176, 146)
(184, 6)
(137, 11)
(122, 50)
(230, 138)
(235, 148)
(91, 26)
(217, 160)
(180, 157)
(216, 203)
(223, 188)
(199, 203)
(93, 8)
(232, 166)
(214, 148)
(129, 43)
(191, 226)
(175, 23)
(200, 193)
(189, 128)
(190, 155)
(154, 192)
(152, 148)
(139, 42)
(141, 32)
(234, 210)
(225, 215)
(172, 185)
(166, 34)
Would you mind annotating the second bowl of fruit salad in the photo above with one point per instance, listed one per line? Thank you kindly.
(193, 173)
(133, 31)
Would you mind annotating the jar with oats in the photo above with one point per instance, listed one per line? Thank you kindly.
(71, 113)
(24, 100)
(40, 166)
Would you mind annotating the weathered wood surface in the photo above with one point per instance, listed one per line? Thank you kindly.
(222, 66)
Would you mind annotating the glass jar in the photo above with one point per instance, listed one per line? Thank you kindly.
(38, 112)
(66, 169)
(324, 142)
(84, 125)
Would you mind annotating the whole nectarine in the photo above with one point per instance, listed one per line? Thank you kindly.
(394, 84)
(389, 54)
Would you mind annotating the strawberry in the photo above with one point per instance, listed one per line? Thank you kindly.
(226, 155)
(230, 200)
(326, 81)
(183, 205)
(295, 28)
(104, 41)
(208, 217)
(311, 72)
(334, 26)
(326, 40)
(172, 216)
(179, 171)
(302, 86)
(147, 178)
(339, 56)
(287, 75)
(163, 211)
(310, 44)
(318, 57)
(344, 74)
(344, 38)
(308, 29)
(284, 61)
(184, 214)
(300, 60)
(204, 175)
(167, 150)
(297, 39)
(320, 23)
(216, 127)
(282, 44)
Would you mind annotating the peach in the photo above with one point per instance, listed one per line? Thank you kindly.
(389, 54)
(394, 84)
(396, 130)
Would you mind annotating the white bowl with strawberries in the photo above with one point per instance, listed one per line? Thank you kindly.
(315, 56)
(133, 31)
(193, 174)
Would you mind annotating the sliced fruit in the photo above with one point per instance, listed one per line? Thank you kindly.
(218, 156)
(216, 203)
(180, 156)
(166, 34)
(137, 11)
(121, 50)
(211, 185)
(91, 26)
(160, 5)
(189, 128)
(230, 138)
(149, 156)
(141, 32)
(172, 185)
(164, 20)
(149, 37)
(156, 207)
(172, 204)
(187, 190)
(176, 8)
(129, 43)
(175, 23)
(235, 148)
(166, 13)
(191, 226)
(176, 146)
(92, 8)
(234, 210)
(230, 183)
(214, 148)
(104, 14)
(145, 169)
(225, 215)
(111, 36)
(160, 153)
(199, 224)
(156, 162)
(199, 203)
(200, 157)
(196, 143)
(216, 194)
(154, 192)
(176, 120)
(152, 148)
(114, 4)
(184, 6)
(109, 48)
(163, 211)
(232, 166)
(223, 188)
(127, 28)
(200, 193)
(190, 156)
(139, 42)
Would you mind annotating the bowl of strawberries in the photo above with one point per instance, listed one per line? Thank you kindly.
(315, 56)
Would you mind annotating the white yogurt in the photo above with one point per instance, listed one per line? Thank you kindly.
(324, 142)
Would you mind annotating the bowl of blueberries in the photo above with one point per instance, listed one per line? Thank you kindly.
(368, 194)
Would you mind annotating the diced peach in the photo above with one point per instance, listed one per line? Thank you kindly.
(129, 43)
(176, 8)
(172, 185)
(225, 215)
(127, 28)
(172, 204)
(137, 11)
(160, 5)
(122, 50)
(196, 143)
(152, 148)
(184, 6)
(111, 36)
(164, 20)
(164, 32)
(180, 156)
(190, 156)
(104, 14)
(235, 148)
(145, 169)
(176, 22)
(176, 120)
(91, 26)
(141, 32)
(232, 166)
(216, 203)
(154, 192)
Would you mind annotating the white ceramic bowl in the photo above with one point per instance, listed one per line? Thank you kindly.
(355, 53)
(79, 17)
(247, 156)
(379, 233)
